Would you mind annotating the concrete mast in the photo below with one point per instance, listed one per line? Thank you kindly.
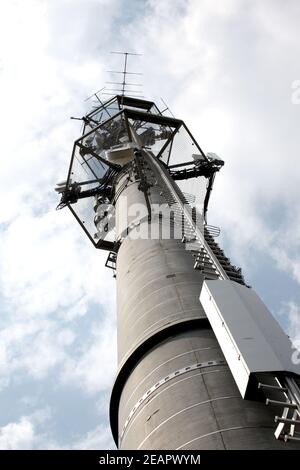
(177, 386)
(174, 389)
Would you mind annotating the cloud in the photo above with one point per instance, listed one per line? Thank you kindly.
(51, 277)
(50, 281)
(33, 348)
(99, 438)
(22, 434)
(53, 270)
(94, 368)
(18, 435)
(27, 433)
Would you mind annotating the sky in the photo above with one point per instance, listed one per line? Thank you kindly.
(230, 69)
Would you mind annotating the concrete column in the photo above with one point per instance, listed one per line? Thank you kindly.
(174, 389)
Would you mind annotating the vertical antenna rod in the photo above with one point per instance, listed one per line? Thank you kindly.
(125, 72)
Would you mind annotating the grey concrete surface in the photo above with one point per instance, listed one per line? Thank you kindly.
(158, 288)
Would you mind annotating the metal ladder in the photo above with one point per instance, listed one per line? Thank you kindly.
(284, 393)
(209, 258)
(203, 260)
(234, 273)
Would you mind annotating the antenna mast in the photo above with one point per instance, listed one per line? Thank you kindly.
(199, 354)
(123, 89)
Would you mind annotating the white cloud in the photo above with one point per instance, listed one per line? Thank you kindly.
(54, 265)
(99, 438)
(25, 434)
(19, 435)
(22, 434)
(94, 369)
(32, 347)
(49, 280)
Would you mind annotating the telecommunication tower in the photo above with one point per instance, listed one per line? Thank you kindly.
(199, 354)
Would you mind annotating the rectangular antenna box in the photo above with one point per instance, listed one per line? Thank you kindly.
(251, 339)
